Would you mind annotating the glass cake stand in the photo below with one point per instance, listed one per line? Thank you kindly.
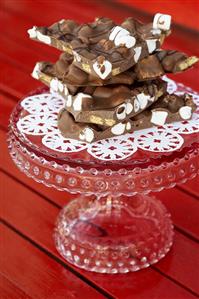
(114, 225)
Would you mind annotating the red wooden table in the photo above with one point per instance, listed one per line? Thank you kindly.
(30, 267)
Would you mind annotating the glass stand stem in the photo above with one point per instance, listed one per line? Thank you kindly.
(114, 234)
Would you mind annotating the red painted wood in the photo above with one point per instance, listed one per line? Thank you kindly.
(10, 291)
(18, 55)
(30, 209)
(183, 208)
(185, 13)
(36, 273)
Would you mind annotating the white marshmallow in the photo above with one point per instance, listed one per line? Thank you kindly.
(69, 101)
(128, 126)
(65, 90)
(118, 129)
(127, 40)
(54, 83)
(185, 112)
(143, 100)
(136, 105)
(156, 31)
(151, 44)
(60, 86)
(36, 72)
(161, 21)
(32, 32)
(121, 115)
(97, 68)
(62, 21)
(115, 31)
(159, 117)
(43, 38)
(77, 57)
(87, 134)
(122, 36)
(138, 51)
(77, 103)
(129, 108)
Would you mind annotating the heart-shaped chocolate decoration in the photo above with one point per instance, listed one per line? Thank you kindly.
(102, 69)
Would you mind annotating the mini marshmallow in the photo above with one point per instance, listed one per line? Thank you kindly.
(138, 51)
(185, 112)
(77, 57)
(77, 103)
(69, 101)
(129, 108)
(159, 117)
(36, 72)
(128, 40)
(62, 21)
(43, 38)
(143, 100)
(97, 68)
(32, 32)
(161, 21)
(156, 31)
(60, 86)
(121, 115)
(118, 129)
(128, 126)
(66, 91)
(136, 105)
(122, 36)
(87, 134)
(54, 83)
(151, 45)
(115, 31)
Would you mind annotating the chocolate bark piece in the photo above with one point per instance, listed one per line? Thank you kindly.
(66, 70)
(106, 105)
(169, 108)
(151, 67)
(109, 105)
(88, 132)
(103, 48)
(161, 62)
(154, 115)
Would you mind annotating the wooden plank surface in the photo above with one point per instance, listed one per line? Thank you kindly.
(35, 210)
(36, 273)
(11, 291)
(27, 245)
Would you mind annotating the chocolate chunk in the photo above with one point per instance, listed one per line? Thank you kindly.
(161, 62)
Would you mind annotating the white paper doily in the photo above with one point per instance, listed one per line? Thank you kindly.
(42, 121)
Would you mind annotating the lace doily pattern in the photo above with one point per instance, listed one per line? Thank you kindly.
(159, 140)
(42, 121)
(57, 142)
(112, 149)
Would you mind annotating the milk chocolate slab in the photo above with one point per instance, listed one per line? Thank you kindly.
(151, 67)
(106, 105)
(169, 108)
(162, 62)
(88, 132)
(70, 74)
(103, 48)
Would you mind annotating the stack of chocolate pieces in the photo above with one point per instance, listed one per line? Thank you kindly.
(110, 76)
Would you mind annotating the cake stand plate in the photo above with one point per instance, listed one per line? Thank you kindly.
(113, 226)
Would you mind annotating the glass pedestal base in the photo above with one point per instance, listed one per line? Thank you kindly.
(114, 234)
